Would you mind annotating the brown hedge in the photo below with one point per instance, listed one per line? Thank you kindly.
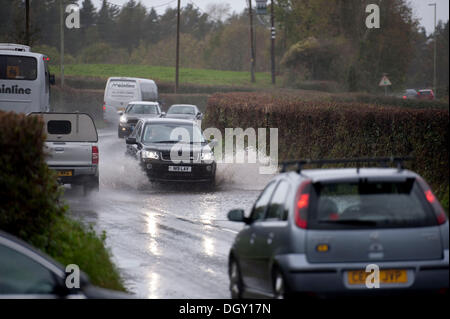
(29, 193)
(330, 129)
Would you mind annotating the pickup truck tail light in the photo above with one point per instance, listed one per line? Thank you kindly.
(302, 204)
(94, 155)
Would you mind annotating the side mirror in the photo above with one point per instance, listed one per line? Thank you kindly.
(130, 140)
(51, 79)
(236, 215)
(163, 114)
(199, 115)
(120, 113)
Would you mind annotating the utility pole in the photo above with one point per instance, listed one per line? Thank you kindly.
(272, 42)
(27, 22)
(252, 42)
(177, 63)
(435, 48)
(61, 33)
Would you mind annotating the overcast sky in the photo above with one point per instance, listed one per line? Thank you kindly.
(421, 9)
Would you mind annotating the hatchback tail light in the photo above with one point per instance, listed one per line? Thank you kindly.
(94, 155)
(431, 198)
(302, 204)
(104, 106)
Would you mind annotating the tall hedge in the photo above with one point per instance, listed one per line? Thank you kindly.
(29, 193)
(330, 129)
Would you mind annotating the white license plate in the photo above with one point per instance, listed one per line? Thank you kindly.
(180, 169)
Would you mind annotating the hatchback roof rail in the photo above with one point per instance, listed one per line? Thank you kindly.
(384, 160)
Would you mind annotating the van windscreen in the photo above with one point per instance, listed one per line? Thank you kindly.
(122, 89)
(14, 67)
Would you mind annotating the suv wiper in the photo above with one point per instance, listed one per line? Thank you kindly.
(349, 222)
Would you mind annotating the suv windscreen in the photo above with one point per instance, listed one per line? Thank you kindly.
(363, 203)
(172, 133)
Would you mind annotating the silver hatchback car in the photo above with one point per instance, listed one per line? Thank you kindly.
(341, 232)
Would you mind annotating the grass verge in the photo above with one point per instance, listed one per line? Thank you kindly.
(73, 243)
(166, 74)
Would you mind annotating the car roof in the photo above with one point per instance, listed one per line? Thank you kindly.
(325, 174)
(192, 105)
(168, 120)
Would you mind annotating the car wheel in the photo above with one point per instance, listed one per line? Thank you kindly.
(235, 280)
(279, 285)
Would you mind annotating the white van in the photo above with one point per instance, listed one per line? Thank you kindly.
(24, 79)
(120, 91)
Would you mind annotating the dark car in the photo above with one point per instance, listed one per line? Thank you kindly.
(135, 111)
(410, 94)
(426, 94)
(26, 273)
(184, 111)
(172, 150)
(315, 232)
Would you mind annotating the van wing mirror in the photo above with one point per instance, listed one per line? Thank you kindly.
(51, 79)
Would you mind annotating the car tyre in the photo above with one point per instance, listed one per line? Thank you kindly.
(279, 285)
(235, 280)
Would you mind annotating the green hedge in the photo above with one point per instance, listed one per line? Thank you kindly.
(314, 129)
(72, 100)
(29, 194)
(31, 208)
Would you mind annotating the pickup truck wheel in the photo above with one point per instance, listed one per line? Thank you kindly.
(92, 186)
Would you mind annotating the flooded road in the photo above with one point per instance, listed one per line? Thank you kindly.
(168, 241)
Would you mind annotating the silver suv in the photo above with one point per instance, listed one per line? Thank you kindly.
(72, 148)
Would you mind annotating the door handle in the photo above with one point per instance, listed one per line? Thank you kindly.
(252, 239)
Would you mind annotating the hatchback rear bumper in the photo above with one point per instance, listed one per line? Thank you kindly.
(424, 276)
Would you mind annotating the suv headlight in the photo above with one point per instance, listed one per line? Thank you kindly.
(123, 119)
(150, 154)
(208, 156)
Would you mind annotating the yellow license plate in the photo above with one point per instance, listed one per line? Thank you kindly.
(387, 276)
(64, 173)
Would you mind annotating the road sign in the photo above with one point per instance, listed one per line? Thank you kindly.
(261, 7)
(385, 81)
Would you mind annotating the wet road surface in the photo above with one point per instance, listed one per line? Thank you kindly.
(168, 241)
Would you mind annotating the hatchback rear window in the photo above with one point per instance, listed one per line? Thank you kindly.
(363, 204)
(59, 127)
